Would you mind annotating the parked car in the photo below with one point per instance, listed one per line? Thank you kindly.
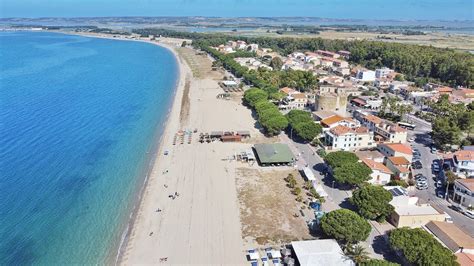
(439, 184)
(435, 168)
(440, 194)
(433, 150)
(469, 214)
(417, 165)
(411, 139)
(421, 186)
(456, 208)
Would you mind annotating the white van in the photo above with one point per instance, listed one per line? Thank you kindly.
(469, 214)
(448, 218)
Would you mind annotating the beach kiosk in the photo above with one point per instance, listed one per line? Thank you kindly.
(274, 154)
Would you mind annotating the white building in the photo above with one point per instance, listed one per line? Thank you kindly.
(464, 192)
(345, 138)
(380, 173)
(320, 252)
(462, 163)
(365, 75)
(396, 150)
(383, 72)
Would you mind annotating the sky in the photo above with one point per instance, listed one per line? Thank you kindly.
(351, 9)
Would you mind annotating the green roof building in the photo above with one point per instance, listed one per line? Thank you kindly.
(273, 154)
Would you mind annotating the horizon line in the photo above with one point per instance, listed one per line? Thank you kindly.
(230, 17)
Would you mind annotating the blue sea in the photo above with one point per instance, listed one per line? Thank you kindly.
(80, 119)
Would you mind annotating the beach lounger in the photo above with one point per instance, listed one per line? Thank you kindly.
(264, 261)
(276, 262)
(254, 263)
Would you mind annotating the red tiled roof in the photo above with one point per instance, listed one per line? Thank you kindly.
(376, 166)
(340, 130)
(469, 183)
(359, 101)
(287, 90)
(374, 119)
(402, 169)
(464, 155)
(465, 259)
(398, 160)
(331, 120)
(399, 147)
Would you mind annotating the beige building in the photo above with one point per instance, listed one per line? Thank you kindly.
(409, 211)
(391, 132)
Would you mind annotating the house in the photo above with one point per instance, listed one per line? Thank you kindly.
(382, 83)
(328, 54)
(320, 252)
(343, 71)
(345, 54)
(372, 103)
(400, 167)
(451, 236)
(383, 72)
(288, 91)
(396, 86)
(337, 120)
(373, 155)
(464, 192)
(391, 132)
(408, 212)
(369, 120)
(380, 173)
(365, 76)
(294, 101)
(346, 138)
(253, 47)
(396, 149)
(462, 163)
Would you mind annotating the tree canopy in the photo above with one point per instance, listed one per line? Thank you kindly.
(420, 247)
(303, 124)
(339, 158)
(345, 225)
(352, 173)
(254, 95)
(373, 202)
(376, 262)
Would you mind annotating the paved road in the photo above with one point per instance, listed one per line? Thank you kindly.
(337, 198)
(423, 143)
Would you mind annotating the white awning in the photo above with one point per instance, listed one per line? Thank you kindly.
(309, 174)
(320, 190)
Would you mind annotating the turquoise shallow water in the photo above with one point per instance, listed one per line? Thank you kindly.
(79, 121)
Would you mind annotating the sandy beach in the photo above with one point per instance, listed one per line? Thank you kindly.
(201, 226)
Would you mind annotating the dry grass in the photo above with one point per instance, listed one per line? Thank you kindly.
(436, 39)
(267, 207)
(200, 64)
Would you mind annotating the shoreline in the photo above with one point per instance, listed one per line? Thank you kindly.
(158, 146)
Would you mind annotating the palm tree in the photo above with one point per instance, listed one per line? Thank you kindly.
(357, 253)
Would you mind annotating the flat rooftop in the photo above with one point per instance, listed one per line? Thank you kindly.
(320, 252)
